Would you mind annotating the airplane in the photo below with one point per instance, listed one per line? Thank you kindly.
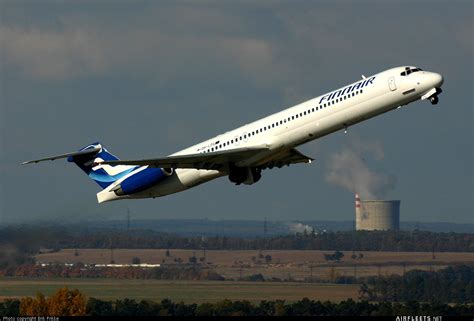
(243, 153)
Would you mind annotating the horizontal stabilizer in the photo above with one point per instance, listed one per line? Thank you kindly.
(90, 151)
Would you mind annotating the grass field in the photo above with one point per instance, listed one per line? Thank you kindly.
(285, 265)
(186, 291)
(226, 258)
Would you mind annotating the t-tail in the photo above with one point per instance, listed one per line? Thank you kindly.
(88, 159)
(117, 181)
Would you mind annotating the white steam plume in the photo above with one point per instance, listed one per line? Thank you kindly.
(349, 170)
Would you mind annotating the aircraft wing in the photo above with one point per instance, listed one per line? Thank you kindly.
(290, 156)
(213, 160)
(217, 160)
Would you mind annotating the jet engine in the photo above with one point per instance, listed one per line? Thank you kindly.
(142, 180)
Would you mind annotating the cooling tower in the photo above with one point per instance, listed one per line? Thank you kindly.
(377, 215)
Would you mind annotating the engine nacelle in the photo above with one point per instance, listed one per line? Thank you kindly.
(246, 175)
(142, 180)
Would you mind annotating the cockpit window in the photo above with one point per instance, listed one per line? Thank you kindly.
(409, 70)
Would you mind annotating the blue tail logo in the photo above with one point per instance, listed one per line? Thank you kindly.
(104, 175)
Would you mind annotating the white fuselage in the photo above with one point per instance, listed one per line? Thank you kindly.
(320, 116)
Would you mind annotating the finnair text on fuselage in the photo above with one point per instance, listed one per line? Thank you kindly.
(347, 90)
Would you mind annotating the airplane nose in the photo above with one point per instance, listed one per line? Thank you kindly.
(437, 79)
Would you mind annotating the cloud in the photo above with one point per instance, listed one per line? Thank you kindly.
(51, 54)
(253, 56)
(83, 48)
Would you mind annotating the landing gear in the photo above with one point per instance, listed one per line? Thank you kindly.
(246, 175)
(256, 174)
(434, 99)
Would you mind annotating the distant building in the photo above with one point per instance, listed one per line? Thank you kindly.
(142, 265)
(379, 215)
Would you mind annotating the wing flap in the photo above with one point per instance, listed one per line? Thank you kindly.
(290, 156)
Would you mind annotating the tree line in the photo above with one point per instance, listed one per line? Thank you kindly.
(452, 284)
(67, 302)
(32, 238)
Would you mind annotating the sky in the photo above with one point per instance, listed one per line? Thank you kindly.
(148, 78)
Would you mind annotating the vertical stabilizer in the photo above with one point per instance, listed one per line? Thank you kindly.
(104, 175)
